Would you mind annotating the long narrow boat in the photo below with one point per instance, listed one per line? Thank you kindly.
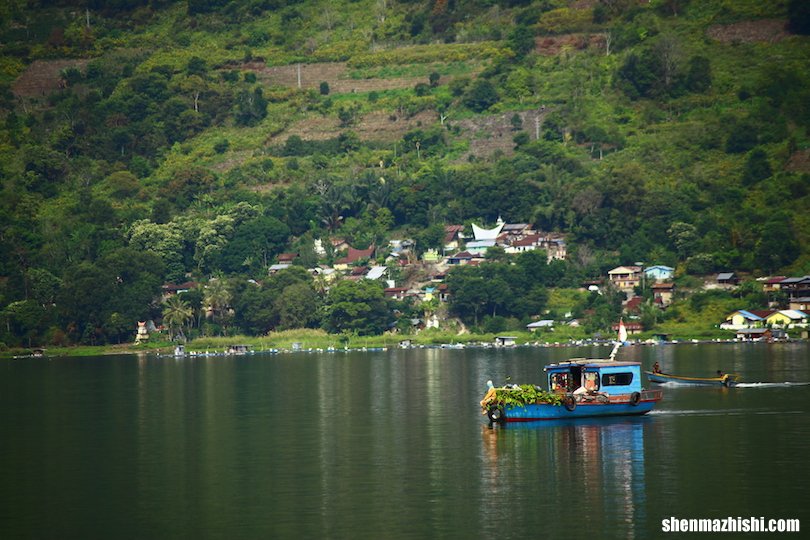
(577, 388)
(727, 380)
(582, 388)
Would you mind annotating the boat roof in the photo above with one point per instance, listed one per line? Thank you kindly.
(590, 362)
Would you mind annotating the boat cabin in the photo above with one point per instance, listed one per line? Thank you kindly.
(595, 376)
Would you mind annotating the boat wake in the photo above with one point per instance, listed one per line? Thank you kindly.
(715, 412)
(770, 384)
(673, 384)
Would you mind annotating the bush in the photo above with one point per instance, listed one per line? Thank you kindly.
(481, 96)
(324, 88)
(221, 146)
(421, 89)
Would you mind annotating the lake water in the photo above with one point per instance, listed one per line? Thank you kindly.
(389, 445)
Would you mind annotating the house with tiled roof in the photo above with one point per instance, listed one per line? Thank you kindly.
(354, 256)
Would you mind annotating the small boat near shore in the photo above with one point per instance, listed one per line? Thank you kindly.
(579, 388)
(727, 380)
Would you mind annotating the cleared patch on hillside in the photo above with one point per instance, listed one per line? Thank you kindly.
(799, 162)
(493, 134)
(43, 77)
(761, 31)
(374, 126)
(554, 45)
(336, 74)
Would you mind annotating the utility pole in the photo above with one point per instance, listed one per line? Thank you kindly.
(537, 128)
(87, 16)
(299, 76)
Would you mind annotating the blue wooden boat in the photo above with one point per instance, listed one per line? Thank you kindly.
(726, 380)
(587, 388)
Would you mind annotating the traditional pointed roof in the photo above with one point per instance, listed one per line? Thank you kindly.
(487, 234)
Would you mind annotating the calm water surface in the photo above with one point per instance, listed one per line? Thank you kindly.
(388, 445)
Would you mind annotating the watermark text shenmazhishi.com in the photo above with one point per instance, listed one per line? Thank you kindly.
(730, 524)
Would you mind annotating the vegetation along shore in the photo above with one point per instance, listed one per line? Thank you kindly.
(362, 172)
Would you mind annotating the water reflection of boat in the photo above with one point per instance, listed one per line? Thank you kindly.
(727, 380)
(604, 458)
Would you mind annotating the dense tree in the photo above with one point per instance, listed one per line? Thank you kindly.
(357, 306)
(757, 167)
(799, 17)
(481, 96)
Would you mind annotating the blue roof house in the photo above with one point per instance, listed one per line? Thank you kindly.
(659, 272)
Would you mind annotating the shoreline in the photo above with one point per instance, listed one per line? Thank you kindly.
(209, 347)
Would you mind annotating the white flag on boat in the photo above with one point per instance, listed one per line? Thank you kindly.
(622, 332)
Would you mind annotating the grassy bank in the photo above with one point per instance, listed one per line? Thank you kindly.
(318, 339)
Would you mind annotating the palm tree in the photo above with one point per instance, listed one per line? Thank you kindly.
(176, 314)
(217, 297)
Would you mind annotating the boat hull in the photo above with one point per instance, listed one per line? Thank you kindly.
(662, 378)
(544, 411)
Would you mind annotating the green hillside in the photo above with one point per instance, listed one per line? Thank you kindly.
(146, 142)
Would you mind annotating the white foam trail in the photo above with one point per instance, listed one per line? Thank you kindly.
(770, 384)
(716, 412)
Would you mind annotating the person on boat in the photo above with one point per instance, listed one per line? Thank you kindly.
(489, 397)
(722, 376)
(656, 368)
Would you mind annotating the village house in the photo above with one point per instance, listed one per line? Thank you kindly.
(376, 272)
(505, 341)
(727, 279)
(488, 234)
(741, 319)
(353, 256)
(443, 292)
(796, 287)
(453, 237)
(537, 325)
(801, 304)
(625, 278)
(287, 258)
(479, 247)
(339, 244)
(787, 318)
(631, 327)
(516, 231)
(324, 272)
(754, 334)
(659, 273)
(396, 293)
(772, 284)
(554, 245)
(461, 258)
(662, 293)
(633, 306)
(278, 267)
